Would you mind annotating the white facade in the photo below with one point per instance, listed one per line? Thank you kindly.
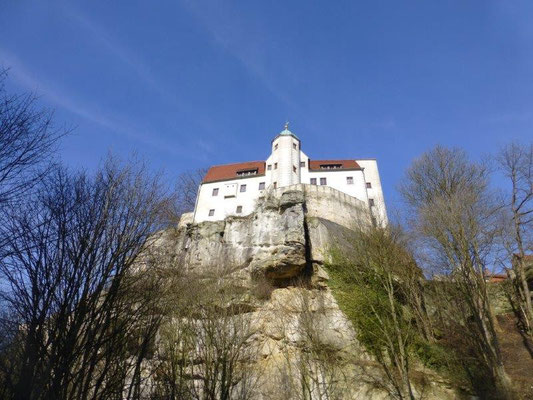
(234, 188)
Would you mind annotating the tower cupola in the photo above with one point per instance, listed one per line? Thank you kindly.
(286, 132)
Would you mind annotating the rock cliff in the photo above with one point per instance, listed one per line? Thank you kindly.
(298, 333)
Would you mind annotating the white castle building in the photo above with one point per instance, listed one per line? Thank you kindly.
(233, 189)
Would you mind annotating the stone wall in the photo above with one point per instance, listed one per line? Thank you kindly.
(330, 204)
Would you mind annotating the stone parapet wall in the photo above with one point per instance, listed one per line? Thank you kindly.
(330, 204)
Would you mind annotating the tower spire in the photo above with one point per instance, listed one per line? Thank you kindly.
(287, 125)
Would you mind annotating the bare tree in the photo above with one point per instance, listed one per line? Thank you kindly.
(82, 320)
(187, 189)
(455, 216)
(312, 367)
(27, 140)
(204, 351)
(516, 162)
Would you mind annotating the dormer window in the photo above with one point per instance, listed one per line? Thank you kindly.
(247, 172)
(330, 166)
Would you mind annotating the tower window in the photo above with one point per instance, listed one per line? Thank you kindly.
(239, 209)
(215, 192)
(302, 164)
(368, 185)
(294, 146)
(269, 167)
(313, 181)
(371, 202)
(276, 165)
(349, 180)
(323, 181)
(243, 188)
(294, 169)
(261, 185)
(275, 185)
(276, 146)
(211, 212)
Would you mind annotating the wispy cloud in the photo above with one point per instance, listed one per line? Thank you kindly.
(227, 31)
(134, 62)
(59, 97)
(510, 117)
(117, 49)
(387, 123)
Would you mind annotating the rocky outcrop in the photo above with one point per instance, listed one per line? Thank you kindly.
(281, 240)
(297, 329)
(270, 242)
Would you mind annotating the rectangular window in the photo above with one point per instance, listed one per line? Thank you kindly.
(261, 185)
(269, 167)
(313, 181)
(294, 146)
(275, 165)
(275, 185)
(368, 185)
(323, 181)
(371, 202)
(239, 209)
(349, 180)
(243, 188)
(293, 169)
(302, 164)
(211, 213)
(215, 192)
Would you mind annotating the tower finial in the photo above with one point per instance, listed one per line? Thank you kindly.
(287, 125)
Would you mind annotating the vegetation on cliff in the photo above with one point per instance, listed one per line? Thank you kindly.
(448, 322)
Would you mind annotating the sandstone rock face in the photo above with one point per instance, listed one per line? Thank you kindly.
(270, 242)
(290, 230)
(298, 330)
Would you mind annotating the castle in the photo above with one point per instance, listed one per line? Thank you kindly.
(232, 189)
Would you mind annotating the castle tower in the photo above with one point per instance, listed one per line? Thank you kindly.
(286, 158)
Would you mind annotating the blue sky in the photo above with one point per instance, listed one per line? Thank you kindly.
(187, 84)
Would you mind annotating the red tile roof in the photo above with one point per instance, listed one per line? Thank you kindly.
(345, 164)
(495, 278)
(229, 171)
